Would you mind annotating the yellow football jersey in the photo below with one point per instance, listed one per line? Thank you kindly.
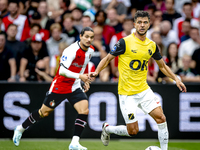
(133, 63)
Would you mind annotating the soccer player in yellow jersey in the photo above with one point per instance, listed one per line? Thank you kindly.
(134, 51)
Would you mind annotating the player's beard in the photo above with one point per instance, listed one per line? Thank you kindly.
(86, 46)
(141, 34)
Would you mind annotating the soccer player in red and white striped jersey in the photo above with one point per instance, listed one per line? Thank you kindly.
(66, 84)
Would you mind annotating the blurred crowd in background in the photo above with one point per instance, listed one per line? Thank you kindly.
(34, 33)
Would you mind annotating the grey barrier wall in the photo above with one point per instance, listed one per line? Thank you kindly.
(18, 100)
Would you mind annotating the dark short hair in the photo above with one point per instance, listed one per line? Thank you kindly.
(86, 29)
(141, 13)
(13, 1)
(12, 25)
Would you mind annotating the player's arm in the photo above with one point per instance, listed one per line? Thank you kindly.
(103, 63)
(13, 69)
(119, 48)
(65, 62)
(167, 71)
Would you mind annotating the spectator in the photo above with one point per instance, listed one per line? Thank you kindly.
(45, 21)
(113, 21)
(82, 5)
(172, 57)
(119, 6)
(40, 70)
(35, 28)
(14, 45)
(57, 37)
(7, 61)
(158, 15)
(64, 9)
(34, 53)
(36, 19)
(4, 8)
(156, 37)
(2, 27)
(33, 5)
(189, 46)
(108, 31)
(86, 21)
(196, 60)
(77, 15)
(186, 30)
(187, 13)
(186, 73)
(127, 3)
(159, 4)
(15, 18)
(55, 60)
(94, 9)
(153, 69)
(100, 52)
(151, 9)
(127, 26)
(69, 28)
(170, 14)
(195, 8)
(167, 34)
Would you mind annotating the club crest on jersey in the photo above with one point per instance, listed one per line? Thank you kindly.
(52, 103)
(150, 52)
(64, 58)
(131, 116)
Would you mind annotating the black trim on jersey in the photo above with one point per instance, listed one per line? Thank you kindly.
(157, 55)
(61, 64)
(119, 48)
(80, 46)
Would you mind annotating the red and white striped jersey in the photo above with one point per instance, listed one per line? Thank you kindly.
(75, 60)
(21, 21)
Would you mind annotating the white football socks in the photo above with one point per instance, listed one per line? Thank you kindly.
(163, 135)
(119, 130)
(75, 140)
(20, 128)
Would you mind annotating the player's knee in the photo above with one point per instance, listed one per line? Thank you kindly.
(46, 113)
(84, 111)
(161, 119)
(133, 131)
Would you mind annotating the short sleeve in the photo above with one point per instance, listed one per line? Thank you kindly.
(157, 55)
(118, 48)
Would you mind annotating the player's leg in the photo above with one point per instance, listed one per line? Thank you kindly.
(128, 108)
(80, 103)
(151, 105)
(50, 102)
(163, 135)
(35, 116)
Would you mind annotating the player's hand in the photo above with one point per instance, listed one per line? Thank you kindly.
(85, 78)
(92, 75)
(181, 86)
(86, 86)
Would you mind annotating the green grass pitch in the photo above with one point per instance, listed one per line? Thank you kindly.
(62, 144)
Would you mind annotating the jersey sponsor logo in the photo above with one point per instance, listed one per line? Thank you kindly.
(134, 51)
(150, 52)
(64, 58)
(77, 65)
(131, 116)
(137, 64)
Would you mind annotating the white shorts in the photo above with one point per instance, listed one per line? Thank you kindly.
(146, 101)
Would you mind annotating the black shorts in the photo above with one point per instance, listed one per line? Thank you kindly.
(52, 100)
